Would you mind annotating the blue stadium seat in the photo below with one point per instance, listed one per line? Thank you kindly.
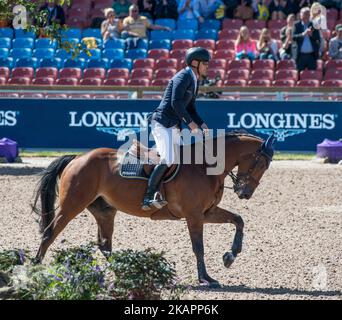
(23, 43)
(190, 24)
(26, 62)
(21, 33)
(4, 52)
(210, 24)
(74, 63)
(166, 22)
(206, 34)
(160, 35)
(121, 63)
(182, 34)
(142, 44)
(52, 62)
(5, 43)
(6, 62)
(98, 63)
(17, 53)
(95, 54)
(72, 33)
(91, 32)
(42, 53)
(136, 54)
(113, 54)
(46, 43)
(115, 44)
(6, 33)
(63, 54)
(160, 44)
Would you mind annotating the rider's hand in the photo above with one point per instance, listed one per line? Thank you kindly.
(194, 127)
(205, 129)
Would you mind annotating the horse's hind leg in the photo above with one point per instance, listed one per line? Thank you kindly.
(219, 215)
(104, 215)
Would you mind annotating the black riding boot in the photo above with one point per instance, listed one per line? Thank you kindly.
(151, 196)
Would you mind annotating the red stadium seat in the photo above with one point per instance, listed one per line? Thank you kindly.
(226, 44)
(263, 64)
(320, 65)
(115, 82)
(231, 23)
(255, 34)
(284, 83)
(331, 64)
(144, 63)
(142, 73)
(332, 13)
(255, 24)
(160, 82)
(47, 72)
(310, 75)
(67, 82)
(165, 73)
(158, 54)
(70, 73)
(230, 34)
(94, 73)
(333, 74)
(77, 22)
(284, 74)
(139, 82)
(224, 54)
(275, 34)
(181, 64)
(217, 64)
(4, 72)
(20, 81)
(23, 72)
(276, 24)
(91, 82)
(178, 54)
(45, 81)
(78, 12)
(3, 81)
(261, 74)
(118, 73)
(205, 43)
(166, 63)
(238, 74)
(239, 64)
(308, 83)
(182, 44)
(332, 83)
(213, 73)
(286, 64)
(259, 83)
(235, 83)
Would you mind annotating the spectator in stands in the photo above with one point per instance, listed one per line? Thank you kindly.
(121, 8)
(267, 47)
(244, 11)
(55, 13)
(186, 9)
(292, 7)
(166, 9)
(262, 10)
(278, 9)
(335, 44)
(206, 9)
(231, 6)
(285, 51)
(135, 27)
(147, 8)
(305, 3)
(306, 42)
(245, 47)
(112, 26)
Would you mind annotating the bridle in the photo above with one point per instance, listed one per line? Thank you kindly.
(246, 178)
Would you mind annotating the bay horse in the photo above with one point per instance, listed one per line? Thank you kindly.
(93, 181)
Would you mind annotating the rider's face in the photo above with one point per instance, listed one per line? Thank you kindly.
(203, 69)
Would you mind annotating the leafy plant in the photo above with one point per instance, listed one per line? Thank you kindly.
(11, 258)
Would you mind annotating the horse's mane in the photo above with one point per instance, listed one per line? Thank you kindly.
(243, 133)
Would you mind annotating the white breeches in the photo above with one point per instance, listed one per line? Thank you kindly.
(167, 140)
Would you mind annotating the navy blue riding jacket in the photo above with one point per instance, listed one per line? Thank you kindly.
(178, 102)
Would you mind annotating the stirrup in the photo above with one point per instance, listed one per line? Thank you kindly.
(157, 202)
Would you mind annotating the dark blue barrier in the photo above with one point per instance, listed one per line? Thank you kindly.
(101, 123)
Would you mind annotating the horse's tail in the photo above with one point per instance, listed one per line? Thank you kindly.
(47, 191)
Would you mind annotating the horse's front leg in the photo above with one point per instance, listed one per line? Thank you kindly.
(195, 227)
(219, 215)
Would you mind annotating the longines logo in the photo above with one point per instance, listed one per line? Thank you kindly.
(282, 124)
(121, 124)
(8, 118)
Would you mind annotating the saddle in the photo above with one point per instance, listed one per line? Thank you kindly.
(139, 162)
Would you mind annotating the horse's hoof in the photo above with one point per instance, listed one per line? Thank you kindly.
(228, 259)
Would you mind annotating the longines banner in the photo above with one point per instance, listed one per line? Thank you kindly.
(85, 124)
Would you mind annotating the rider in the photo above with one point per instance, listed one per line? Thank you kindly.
(177, 105)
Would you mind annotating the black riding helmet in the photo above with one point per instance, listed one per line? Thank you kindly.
(197, 53)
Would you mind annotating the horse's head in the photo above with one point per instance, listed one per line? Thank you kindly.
(251, 168)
